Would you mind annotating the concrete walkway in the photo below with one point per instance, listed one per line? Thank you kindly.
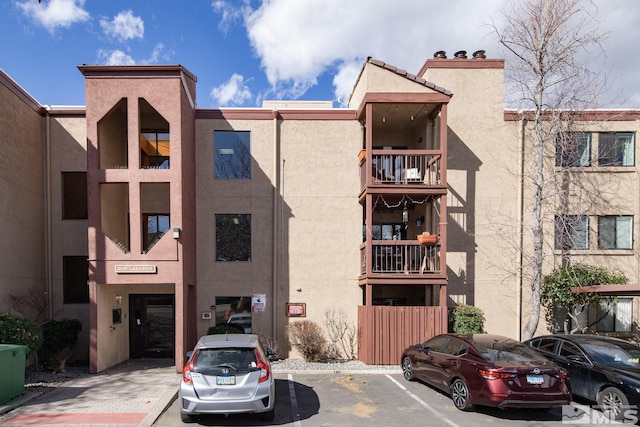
(133, 393)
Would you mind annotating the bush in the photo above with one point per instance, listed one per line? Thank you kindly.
(307, 337)
(59, 338)
(468, 319)
(20, 331)
(224, 329)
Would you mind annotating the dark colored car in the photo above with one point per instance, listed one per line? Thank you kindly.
(487, 370)
(227, 374)
(603, 369)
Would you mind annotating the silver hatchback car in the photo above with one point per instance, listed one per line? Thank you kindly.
(227, 374)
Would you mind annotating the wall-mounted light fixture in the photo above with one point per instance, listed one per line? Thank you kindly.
(118, 299)
(176, 233)
(405, 214)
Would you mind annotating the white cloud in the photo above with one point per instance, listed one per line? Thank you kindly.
(55, 13)
(232, 93)
(298, 41)
(124, 26)
(115, 57)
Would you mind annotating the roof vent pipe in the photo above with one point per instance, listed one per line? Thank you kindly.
(479, 54)
(441, 54)
(461, 54)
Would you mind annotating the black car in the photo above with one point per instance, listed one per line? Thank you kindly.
(602, 369)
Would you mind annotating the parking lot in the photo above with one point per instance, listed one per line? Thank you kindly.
(335, 399)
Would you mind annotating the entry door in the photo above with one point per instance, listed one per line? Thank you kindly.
(151, 326)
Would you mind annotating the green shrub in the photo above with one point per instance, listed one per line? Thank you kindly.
(308, 338)
(224, 329)
(20, 331)
(59, 338)
(468, 319)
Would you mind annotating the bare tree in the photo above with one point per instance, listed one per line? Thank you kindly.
(547, 45)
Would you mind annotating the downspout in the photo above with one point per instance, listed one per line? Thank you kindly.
(276, 229)
(523, 123)
(47, 215)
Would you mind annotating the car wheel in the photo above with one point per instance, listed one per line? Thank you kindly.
(269, 416)
(613, 403)
(460, 395)
(407, 369)
(186, 418)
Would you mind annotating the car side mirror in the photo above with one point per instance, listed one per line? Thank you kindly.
(418, 346)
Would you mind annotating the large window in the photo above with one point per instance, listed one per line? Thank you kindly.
(615, 232)
(571, 232)
(232, 157)
(616, 149)
(156, 227)
(233, 237)
(615, 316)
(74, 195)
(75, 277)
(573, 149)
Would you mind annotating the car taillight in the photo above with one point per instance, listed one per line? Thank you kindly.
(563, 375)
(264, 368)
(188, 368)
(489, 374)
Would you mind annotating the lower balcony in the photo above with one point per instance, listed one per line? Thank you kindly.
(400, 258)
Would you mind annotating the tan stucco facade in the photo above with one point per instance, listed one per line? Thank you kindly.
(305, 199)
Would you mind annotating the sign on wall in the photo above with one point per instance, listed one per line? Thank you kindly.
(296, 309)
(258, 303)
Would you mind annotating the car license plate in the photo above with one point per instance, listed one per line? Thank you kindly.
(226, 380)
(535, 379)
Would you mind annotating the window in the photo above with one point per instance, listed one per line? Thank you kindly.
(154, 149)
(573, 149)
(615, 232)
(233, 237)
(74, 195)
(615, 316)
(75, 276)
(232, 157)
(571, 351)
(385, 232)
(571, 232)
(616, 149)
(156, 227)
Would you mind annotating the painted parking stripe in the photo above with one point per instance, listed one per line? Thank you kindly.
(294, 402)
(423, 403)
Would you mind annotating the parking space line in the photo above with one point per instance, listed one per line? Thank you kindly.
(294, 402)
(423, 403)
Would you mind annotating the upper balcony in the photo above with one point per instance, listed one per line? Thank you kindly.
(418, 168)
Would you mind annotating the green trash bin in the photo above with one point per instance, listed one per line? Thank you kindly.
(12, 367)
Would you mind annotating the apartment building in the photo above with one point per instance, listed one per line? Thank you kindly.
(151, 219)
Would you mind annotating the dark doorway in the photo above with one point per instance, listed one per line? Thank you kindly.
(151, 326)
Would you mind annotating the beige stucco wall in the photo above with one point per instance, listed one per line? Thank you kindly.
(317, 239)
(22, 264)
(483, 197)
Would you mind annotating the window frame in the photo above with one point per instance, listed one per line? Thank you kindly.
(75, 289)
(580, 142)
(74, 196)
(612, 153)
(565, 233)
(237, 145)
(624, 325)
(614, 219)
(222, 245)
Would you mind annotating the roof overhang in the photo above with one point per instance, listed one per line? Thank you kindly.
(609, 290)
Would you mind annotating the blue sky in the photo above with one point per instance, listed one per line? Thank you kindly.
(246, 51)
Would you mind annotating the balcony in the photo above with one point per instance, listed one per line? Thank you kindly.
(402, 167)
(400, 258)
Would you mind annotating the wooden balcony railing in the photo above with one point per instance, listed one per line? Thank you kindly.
(401, 167)
(401, 257)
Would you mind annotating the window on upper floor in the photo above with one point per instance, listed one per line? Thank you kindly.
(571, 232)
(615, 232)
(74, 195)
(615, 316)
(233, 237)
(112, 137)
(155, 208)
(154, 138)
(616, 149)
(573, 149)
(75, 270)
(232, 158)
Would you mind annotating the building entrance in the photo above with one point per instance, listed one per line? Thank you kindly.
(151, 326)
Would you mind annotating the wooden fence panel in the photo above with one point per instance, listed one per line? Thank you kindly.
(385, 331)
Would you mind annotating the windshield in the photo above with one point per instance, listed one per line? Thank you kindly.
(609, 354)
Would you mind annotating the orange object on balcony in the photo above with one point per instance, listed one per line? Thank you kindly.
(427, 239)
(362, 155)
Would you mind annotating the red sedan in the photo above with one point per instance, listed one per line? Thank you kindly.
(487, 370)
